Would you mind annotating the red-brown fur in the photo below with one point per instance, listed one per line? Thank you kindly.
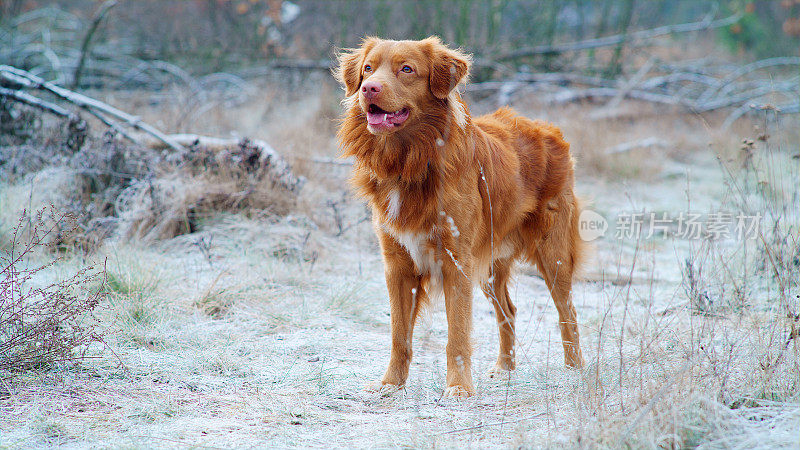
(457, 200)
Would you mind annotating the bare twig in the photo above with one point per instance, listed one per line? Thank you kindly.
(628, 85)
(505, 422)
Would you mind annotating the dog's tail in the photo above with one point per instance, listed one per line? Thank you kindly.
(562, 248)
(580, 249)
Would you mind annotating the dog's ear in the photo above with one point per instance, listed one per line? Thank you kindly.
(448, 67)
(350, 61)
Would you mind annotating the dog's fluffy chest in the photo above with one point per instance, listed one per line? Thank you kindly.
(401, 208)
(417, 237)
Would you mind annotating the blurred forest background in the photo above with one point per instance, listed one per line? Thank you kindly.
(204, 36)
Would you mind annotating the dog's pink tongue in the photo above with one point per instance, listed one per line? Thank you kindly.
(376, 119)
(399, 116)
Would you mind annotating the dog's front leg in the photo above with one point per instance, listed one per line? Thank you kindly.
(404, 292)
(458, 303)
(405, 298)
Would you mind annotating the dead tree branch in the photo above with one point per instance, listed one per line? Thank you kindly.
(98, 17)
(607, 41)
(30, 81)
(35, 102)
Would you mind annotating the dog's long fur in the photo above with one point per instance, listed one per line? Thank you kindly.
(458, 200)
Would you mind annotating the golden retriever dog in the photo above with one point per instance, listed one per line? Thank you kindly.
(456, 200)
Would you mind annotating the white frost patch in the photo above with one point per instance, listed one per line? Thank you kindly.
(453, 228)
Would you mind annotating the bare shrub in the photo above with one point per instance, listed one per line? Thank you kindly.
(17, 124)
(43, 324)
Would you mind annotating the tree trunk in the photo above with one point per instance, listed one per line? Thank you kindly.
(615, 66)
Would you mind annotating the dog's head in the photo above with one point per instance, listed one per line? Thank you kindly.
(397, 82)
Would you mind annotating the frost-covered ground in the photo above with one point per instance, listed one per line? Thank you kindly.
(262, 332)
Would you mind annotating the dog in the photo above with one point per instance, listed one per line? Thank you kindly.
(455, 200)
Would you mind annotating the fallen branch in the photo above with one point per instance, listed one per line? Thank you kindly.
(35, 102)
(575, 95)
(628, 85)
(52, 108)
(294, 64)
(790, 87)
(694, 89)
(608, 41)
(331, 161)
(30, 81)
(749, 68)
(791, 108)
(651, 142)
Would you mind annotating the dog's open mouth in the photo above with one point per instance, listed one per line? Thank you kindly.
(385, 120)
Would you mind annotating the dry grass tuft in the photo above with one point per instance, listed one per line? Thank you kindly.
(116, 189)
(132, 292)
(215, 302)
(721, 367)
(202, 183)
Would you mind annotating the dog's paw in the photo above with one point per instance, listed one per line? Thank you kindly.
(574, 362)
(381, 388)
(458, 392)
(498, 373)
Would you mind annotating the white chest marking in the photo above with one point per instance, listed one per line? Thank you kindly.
(416, 245)
(393, 208)
(422, 253)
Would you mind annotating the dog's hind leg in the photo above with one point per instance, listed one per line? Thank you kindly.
(496, 291)
(557, 257)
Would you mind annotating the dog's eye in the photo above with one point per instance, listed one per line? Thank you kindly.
(407, 69)
(367, 68)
